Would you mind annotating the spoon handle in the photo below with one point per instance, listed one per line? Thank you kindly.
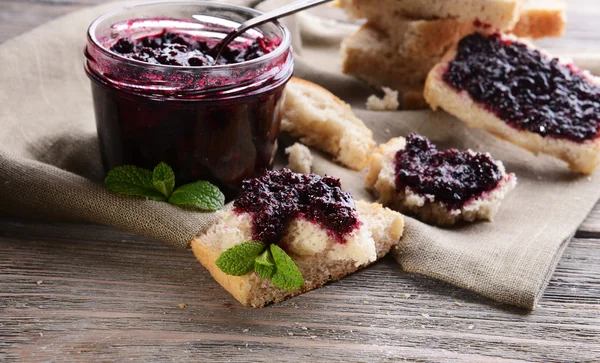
(281, 12)
(285, 10)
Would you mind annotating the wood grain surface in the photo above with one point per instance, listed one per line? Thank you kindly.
(81, 293)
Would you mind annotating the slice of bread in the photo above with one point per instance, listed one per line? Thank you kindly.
(500, 14)
(320, 119)
(319, 258)
(371, 56)
(381, 179)
(399, 54)
(582, 157)
(299, 158)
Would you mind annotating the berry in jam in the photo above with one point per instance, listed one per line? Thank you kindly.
(279, 196)
(180, 49)
(525, 88)
(453, 177)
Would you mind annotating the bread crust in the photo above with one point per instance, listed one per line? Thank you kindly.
(381, 179)
(320, 119)
(581, 157)
(318, 269)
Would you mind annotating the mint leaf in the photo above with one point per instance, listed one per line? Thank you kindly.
(134, 181)
(264, 265)
(239, 260)
(163, 179)
(287, 276)
(201, 194)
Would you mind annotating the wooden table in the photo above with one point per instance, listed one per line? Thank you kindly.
(79, 292)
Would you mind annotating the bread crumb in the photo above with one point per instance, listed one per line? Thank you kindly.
(39, 282)
(470, 327)
(182, 306)
(41, 335)
(457, 303)
(304, 328)
(425, 315)
(290, 334)
(389, 102)
(313, 337)
(366, 302)
(406, 296)
(245, 331)
(300, 159)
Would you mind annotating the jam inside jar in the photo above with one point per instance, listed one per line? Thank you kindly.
(216, 122)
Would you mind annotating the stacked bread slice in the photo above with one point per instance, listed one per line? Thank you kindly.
(402, 40)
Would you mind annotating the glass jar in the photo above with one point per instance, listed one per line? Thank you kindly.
(218, 123)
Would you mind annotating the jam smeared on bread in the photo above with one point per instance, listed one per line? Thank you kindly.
(525, 88)
(280, 196)
(180, 49)
(453, 177)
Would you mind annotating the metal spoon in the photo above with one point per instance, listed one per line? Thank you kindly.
(281, 12)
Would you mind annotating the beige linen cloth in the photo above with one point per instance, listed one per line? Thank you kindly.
(50, 165)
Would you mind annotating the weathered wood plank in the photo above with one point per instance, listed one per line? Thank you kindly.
(93, 292)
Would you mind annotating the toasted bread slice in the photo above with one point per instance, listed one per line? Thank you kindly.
(500, 14)
(581, 156)
(320, 119)
(319, 258)
(381, 179)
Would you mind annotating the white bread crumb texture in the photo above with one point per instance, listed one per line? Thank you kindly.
(389, 101)
(299, 158)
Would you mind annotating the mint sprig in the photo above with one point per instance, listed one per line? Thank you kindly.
(269, 262)
(159, 184)
(239, 260)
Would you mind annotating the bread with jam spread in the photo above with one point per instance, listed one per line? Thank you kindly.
(426, 190)
(320, 252)
(522, 95)
(399, 53)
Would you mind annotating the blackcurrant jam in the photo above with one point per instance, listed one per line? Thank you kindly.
(159, 96)
(453, 177)
(279, 196)
(525, 88)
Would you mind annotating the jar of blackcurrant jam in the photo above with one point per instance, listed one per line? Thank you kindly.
(160, 96)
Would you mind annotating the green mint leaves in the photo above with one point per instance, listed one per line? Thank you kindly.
(239, 260)
(287, 276)
(159, 184)
(201, 194)
(134, 181)
(264, 265)
(163, 179)
(269, 262)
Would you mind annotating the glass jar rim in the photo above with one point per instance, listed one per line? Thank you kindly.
(281, 48)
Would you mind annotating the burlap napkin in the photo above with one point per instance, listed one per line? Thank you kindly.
(50, 165)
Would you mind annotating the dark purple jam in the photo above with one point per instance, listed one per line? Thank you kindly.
(279, 196)
(525, 88)
(219, 125)
(453, 177)
(180, 49)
